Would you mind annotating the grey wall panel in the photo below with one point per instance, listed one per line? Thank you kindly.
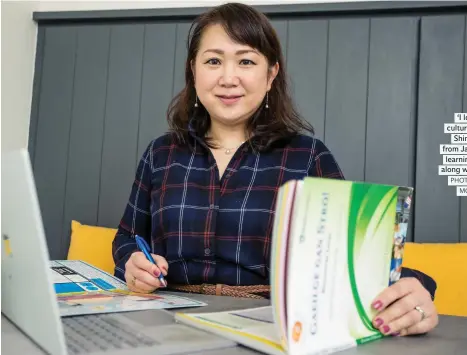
(391, 96)
(121, 121)
(463, 199)
(281, 29)
(87, 128)
(346, 94)
(158, 67)
(392, 90)
(440, 96)
(306, 65)
(53, 130)
(180, 56)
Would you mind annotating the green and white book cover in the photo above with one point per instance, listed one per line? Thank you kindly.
(345, 246)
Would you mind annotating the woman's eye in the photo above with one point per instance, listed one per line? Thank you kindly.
(213, 61)
(246, 62)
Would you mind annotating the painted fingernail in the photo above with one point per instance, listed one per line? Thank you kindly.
(157, 273)
(396, 334)
(377, 305)
(378, 322)
(386, 329)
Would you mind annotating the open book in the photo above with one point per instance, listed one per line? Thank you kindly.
(336, 244)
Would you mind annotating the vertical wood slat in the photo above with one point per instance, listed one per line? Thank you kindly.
(180, 57)
(391, 117)
(463, 206)
(391, 96)
(281, 29)
(306, 66)
(53, 130)
(87, 129)
(346, 94)
(120, 126)
(158, 66)
(440, 96)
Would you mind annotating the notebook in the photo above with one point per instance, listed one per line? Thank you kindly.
(336, 244)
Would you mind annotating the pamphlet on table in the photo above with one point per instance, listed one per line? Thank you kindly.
(336, 245)
(84, 289)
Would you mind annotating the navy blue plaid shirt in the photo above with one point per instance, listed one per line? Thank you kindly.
(212, 229)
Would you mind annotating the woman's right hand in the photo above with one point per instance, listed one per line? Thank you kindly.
(141, 275)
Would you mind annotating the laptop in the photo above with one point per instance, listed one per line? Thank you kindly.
(29, 300)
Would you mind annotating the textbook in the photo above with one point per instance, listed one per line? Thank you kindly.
(82, 289)
(336, 245)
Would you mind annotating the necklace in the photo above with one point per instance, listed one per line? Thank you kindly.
(227, 151)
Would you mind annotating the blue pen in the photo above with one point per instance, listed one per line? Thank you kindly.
(144, 247)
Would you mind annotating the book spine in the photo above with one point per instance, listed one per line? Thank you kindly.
(403, 210)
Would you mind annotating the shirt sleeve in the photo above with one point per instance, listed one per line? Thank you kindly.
(425, 280)
(324, 165)
(136, 218)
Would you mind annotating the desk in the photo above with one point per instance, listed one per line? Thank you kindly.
(449, 338)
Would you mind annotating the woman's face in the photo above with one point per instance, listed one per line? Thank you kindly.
(231, 79)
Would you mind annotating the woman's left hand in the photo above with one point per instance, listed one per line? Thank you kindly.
(397, 309)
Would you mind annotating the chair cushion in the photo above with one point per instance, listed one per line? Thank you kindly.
(93, 245)
(447, 265)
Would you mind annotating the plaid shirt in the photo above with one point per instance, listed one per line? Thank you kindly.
(211, 229)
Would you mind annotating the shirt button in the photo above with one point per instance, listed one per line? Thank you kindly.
(207, 251)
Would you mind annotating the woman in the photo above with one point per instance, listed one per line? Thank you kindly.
(204, 194)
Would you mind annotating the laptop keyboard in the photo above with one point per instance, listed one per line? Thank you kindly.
(101, 333)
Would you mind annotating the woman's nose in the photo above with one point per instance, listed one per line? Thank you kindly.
(229, 76)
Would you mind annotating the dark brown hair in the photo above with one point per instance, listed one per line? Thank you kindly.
(247, 26)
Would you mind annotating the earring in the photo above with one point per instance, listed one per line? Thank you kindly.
(196, 101)
(267, 99)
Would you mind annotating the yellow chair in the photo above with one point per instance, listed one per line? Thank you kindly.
(93, 245)
(447, 265)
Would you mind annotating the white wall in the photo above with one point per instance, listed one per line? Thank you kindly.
(18, 55)
(19, 34)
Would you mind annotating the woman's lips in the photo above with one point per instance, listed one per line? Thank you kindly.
(229, 100)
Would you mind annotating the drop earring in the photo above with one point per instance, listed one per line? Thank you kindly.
(196, 101)
(267, 99)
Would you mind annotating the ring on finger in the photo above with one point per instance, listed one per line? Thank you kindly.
(422, 312)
